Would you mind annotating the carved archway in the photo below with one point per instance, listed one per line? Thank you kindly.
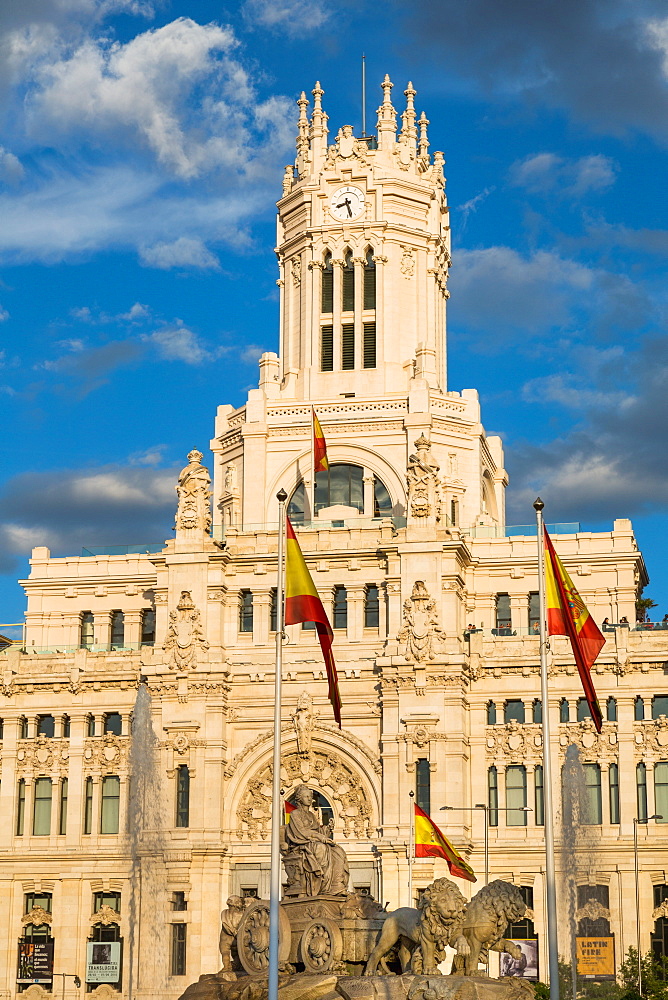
(323, 769)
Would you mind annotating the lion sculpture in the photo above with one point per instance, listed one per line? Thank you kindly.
(421, 935)
(485, 920)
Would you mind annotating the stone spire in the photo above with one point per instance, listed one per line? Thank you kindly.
(423, 145)
(303, 145)
(387, 117)
(408, 129)
(318, 128)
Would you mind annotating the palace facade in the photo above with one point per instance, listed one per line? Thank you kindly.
(137, 713)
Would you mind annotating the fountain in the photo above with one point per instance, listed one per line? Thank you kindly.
(145, 843)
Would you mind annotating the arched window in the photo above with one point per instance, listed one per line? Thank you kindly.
(348, 283)
(491, 713)
(513, 710)
(245, 610)
(41, 816)
(583, 711)
(88, 806)
(641, 790)
(534, 612)
(613, 789)
(539, 800)
(65, 727)
(661, 791)
(587, 926)
(46, 726)
(638, 709)
(148, 627)
(117, 628)
(23, 728)
(611, 709)
(87, 629)
(537, 710)
(90, 725)
(111, 797)
(369, 281)
(493, 796)
(340, 607)
(659, 706)
(564, 710)
(423, 785)
(503, 620)
(371, 606)
(660, 934)
(327, 287)
(182, 795)
(21, 807)
(341, 484)
(62, 807)
(516, 795)
(594, 806)
(113, 723)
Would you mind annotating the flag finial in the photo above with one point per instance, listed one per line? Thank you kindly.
(538, 504)
(281, 496)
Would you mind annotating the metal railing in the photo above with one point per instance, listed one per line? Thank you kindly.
(510, 530)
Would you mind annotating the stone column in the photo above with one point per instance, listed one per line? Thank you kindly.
(368, 481)
(393, 598)
(355, 613)
(261, 618)
(519, 617)
(132, 635)
(102, 634)
(605, 794)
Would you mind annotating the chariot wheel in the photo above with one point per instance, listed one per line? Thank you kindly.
(253, 938)
(321, 945)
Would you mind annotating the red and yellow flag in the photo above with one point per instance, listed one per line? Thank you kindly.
(302, 604)
(320, 460)
(431, 843)
(567, 615)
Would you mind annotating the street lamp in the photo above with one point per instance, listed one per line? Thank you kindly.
(68, 975)
(636, 821)
(485, 808)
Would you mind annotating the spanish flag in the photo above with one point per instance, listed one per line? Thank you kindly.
(302, 604)
(567, 615)
(320, 460)
(431, 843)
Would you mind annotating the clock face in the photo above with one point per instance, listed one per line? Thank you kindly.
(347, 203)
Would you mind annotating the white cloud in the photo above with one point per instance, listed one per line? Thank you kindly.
(136, 313)
(150, 456)
(547, 173)
(72, 344)
(11, 169)
(183, 252)
(571, 393)
(296, 17)
(252, 354)
(178, 343)
(472, 204)
(4, 315)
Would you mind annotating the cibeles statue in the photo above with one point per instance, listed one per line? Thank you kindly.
(313, 863)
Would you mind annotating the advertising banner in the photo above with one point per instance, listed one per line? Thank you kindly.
(596, 957)
(524, 967)
(35, 962)
(103, 962)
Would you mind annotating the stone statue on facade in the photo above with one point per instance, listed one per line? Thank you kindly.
(185, 636)
(304, 720)
(314, 864)
(424, 500)
(420, 628)
(194, 495)
(229, 925)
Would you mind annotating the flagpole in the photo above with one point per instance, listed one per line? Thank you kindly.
(276, 811)
(411, 850)
(312, 464)
(548, 818)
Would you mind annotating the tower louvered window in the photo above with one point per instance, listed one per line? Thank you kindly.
(327, 349)
(348, 284)
(369, 281)
(327, 288)
(369, 345)
(348, 346)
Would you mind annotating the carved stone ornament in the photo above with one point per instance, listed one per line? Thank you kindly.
(230, 486)
(515, 743)
(661, 910)
(105, 991)
(106, 916)
(346, 147)
(592, 745)
(42, 755)
(194, 509)
(185, 636)
(423, 483)
(38, 917)
(420, 630)
(407, 265)
(651, 739)
(304, 720)
(592, 910)
(108, 753)
(322, 769)
(296, 271)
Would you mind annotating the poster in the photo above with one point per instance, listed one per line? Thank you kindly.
(525, 967)
(596, 957)
(35, 962)
(103, 962)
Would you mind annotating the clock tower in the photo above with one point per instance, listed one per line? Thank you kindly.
(363, 250)
(363, 247)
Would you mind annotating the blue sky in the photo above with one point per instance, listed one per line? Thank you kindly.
(142, 146)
